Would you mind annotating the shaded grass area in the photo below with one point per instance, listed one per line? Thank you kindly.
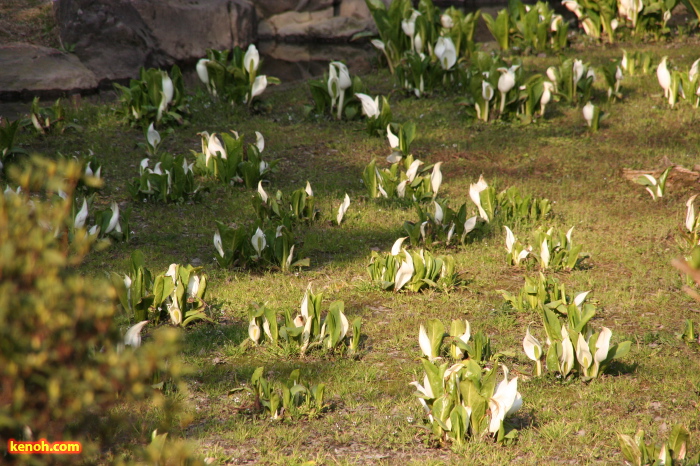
(373, 417)
(29, 21)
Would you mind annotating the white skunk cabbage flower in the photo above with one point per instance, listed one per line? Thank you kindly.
(309, 191)
(583, 353)
(133, 334)
(568, 234)
(114, 221)
(464, 338)
(690, 214)
(401, 189)
(566, 359)
(393, 139)
(694, 69)
(378, 44)
(439, 215)
(259, 85)
(578, 70)
(193, 286)
(405, 272)
(395, 155)
(299, 320)
(548, 88)
(573, 7)
(544, 254)
(338, 81)
(202, 70)
(426, 390)
(370, 107)
(172, 273)
(446, 21)
(409, 25)
(474, 195)
(254, 332)
(217, 244)
(168, 89)
(215, 148)
(418, 44)
(469, 226)
(588, 111)
(413, 170)
(81, 216)
(259, 141)
(664, 76)
(450, 232)
(288, 262)
(259, 242)
(251, 59)
(505, 83)
(153, 136)
(532, 347)
(343, 208)
(510, 240)
(505, 401)
(261, 192)
(486, 91)
(344, 81)
(446, 52)
(580, 298)
(425, 345)
(175, 312)
(436, 178)
(602, 346)
(556, 21)
(396, 248)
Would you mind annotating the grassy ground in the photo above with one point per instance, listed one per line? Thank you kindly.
(28, 21)
(373, 417)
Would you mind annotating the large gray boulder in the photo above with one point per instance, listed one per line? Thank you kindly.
(31, 69)
(268, 8)
(309, 61)
(114, 38)
(316, 20)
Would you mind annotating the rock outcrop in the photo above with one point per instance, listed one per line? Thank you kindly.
(114, 38)
(312, 20)
(31, 70)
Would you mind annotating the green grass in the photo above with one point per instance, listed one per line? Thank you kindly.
(373, 417)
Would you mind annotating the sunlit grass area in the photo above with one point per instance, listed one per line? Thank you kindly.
(371, 414)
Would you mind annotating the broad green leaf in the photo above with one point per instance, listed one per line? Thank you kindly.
(630, 450)
(436, 332)
(678, 441)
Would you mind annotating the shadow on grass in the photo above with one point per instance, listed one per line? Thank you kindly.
(618, 368)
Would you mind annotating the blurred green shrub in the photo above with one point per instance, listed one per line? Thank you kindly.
(62, 361)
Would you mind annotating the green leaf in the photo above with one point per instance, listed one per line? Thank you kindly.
(120, 287)
(630, 450)
(436, 333)
(552, 358)
(618, 351)
(678, 441)
(271, 318)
